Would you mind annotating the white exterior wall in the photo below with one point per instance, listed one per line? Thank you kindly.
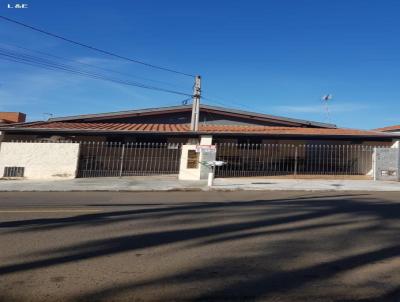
(41, 160)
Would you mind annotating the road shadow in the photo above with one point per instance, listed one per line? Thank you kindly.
(275, 260)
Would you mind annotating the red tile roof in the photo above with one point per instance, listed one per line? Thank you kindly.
(389, 128)
(182, 128)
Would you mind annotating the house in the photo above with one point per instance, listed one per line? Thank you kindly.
(172, 124)
(7, 118)
(390, 129)
(160, 141)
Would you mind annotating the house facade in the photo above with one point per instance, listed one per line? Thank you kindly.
(160, 141)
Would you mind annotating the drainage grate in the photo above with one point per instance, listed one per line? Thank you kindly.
(14, 171)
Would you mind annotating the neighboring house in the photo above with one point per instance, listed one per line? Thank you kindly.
(390, 129)
(12, 117)
(7, 118)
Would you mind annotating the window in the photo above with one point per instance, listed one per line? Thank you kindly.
(192, 160)
(14, 172)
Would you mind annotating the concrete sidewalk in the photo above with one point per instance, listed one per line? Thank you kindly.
(171, 183)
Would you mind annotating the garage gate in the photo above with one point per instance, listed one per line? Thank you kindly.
(286, 159)
(102, 159)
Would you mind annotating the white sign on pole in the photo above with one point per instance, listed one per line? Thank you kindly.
(206, 148)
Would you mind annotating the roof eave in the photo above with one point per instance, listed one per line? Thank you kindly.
(216, 133)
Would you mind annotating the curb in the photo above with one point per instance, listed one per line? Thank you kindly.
(206, 189)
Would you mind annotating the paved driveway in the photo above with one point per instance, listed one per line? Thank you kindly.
(205, 246)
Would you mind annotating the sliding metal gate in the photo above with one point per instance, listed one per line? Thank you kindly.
(100, 159)
(285, 159)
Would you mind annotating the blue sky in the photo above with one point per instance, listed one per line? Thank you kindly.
(277, 57)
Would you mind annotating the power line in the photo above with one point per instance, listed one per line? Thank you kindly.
(44, 66)
(94, 48)
(50, 65)
(85, 64)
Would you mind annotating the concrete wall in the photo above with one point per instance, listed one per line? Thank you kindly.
(386, 164)
(41, 160)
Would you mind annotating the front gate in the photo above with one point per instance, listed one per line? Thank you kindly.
(286, 159)
(101, 159)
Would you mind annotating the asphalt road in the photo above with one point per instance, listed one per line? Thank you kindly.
(202, 246)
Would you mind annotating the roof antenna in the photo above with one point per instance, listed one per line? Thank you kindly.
(325, 99)
(49, 115)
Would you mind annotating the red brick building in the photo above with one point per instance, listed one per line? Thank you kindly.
(12, 117)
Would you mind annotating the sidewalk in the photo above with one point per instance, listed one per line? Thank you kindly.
(171, 183)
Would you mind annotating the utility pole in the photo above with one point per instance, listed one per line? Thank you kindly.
(194, 126)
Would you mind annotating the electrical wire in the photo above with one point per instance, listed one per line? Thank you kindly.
(85, 64)
(94, 48)
(50, 65)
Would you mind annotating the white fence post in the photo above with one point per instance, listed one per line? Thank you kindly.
(122, 161)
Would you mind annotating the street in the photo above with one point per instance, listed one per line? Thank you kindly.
(203, 246)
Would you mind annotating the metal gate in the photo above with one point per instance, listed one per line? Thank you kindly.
(286, 159)
(100, 159)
